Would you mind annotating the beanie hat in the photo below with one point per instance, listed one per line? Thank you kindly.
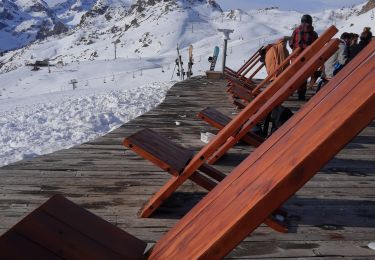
(306, 18)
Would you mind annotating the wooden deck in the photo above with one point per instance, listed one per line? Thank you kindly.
(332, 216)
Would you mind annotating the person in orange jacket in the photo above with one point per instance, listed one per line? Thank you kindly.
(275, 55)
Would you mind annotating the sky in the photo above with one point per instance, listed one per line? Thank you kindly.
(298, 5)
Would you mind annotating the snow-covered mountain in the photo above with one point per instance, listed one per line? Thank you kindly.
(71, 11)
(144, 35)
(23, 21)
(143, 28)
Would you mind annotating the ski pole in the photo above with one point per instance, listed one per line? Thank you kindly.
(173, 71)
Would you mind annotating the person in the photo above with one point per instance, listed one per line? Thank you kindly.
(275, 55)
(303, 36)
(365, 39)
(354, 39)
(337, 61)
(353, 45)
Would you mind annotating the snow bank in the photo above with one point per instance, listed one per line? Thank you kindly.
(31, 130)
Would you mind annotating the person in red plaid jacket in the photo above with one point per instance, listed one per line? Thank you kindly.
(303, 36)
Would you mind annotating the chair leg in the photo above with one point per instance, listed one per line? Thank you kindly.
(212, 172)
(276, 225)
(175, 182)
(203, 181)
(171, 186)
(159, 197)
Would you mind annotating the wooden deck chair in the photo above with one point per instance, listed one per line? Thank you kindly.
(243, 92)
(59, 229)
(239, 76)
(234, 208)
(312, 57)
(219, 120)
(173, 158)
(248, 63)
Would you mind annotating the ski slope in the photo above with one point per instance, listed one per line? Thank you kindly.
(40, 112)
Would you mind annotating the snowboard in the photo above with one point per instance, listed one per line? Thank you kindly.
(190, 63)
(213, 59)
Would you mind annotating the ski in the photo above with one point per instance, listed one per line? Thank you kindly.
(213, 59)
(180, 68)
(190, 63)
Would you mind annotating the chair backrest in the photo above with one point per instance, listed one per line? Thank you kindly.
(278, 168)
(253, 59)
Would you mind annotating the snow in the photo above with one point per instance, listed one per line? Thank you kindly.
(300, 5)
(56, 121)
(53, 3)
(40, 112)
(25, 25)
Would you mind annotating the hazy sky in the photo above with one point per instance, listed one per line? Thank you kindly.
(298, 5)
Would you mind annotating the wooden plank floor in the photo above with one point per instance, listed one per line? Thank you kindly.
(332, 216)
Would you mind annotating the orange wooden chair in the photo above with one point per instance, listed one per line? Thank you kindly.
(236, 206)
(160, 152)
(240, 91)
(239, 76)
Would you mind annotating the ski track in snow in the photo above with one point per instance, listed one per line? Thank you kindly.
(41, 128)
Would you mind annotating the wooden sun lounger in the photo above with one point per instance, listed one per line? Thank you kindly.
(239, 87)
(236, 206)
(240, 92)
(59, 229)
(240, 75)
(173, 158)
(219, 120)
(256, 90)
(312, 58)
(243, 82)
(246, 65)
(216, 119)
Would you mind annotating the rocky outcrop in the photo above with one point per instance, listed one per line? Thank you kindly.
(370, 5)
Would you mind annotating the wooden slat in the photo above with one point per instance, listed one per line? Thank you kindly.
(240, 82)
(15, 246)
(219, 120)
(249, 61)
(240, 92)
(239, 73)
(68, 231)
(159, 150)
(167, 155)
